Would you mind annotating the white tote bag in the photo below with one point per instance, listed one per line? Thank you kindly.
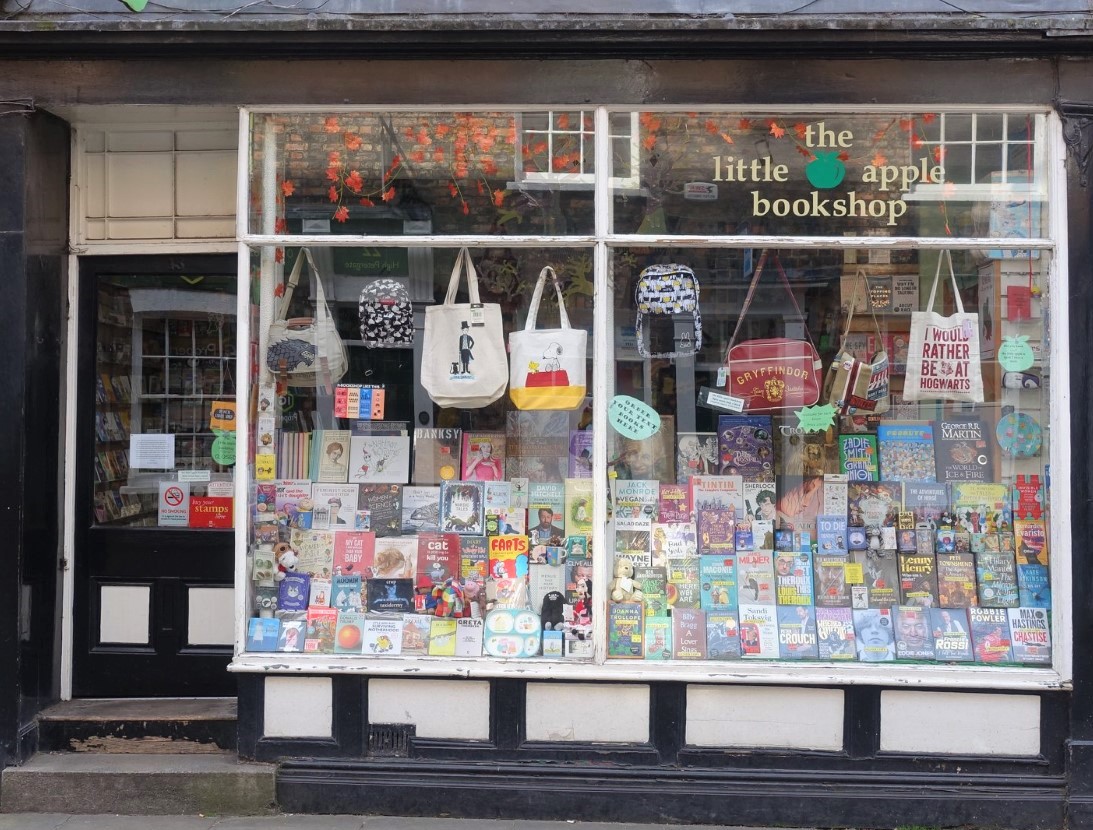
(547, 366)
(943, 360)
(463, 362)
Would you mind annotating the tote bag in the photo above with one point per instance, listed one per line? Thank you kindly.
(463, 362)
(854, 386)
(305, 351)
(943, 361)
(774, 373)
(547, 366)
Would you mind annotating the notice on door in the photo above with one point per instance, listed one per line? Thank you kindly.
(174, 504)
(148, 451)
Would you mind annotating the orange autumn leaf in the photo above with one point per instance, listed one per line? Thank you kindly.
(843, 156)
(498, 197)
(408, 132)
(332, 174)
(367, 203)
(438, 154)
(485, 143)
(878, 160)
(539, 148)
(280, 225)
(389, 194)
(929, 117)
(354, 181)
(777, 131)
(466, 209)
(489, 167)
(453, 191)
(649, 142)
(334, 158)
(287, 188)
(804, 151)
(563, 121)
(916, 141)
(939, 154)
(711, 126)
(331, 125)
(727, 138)
(443, 129)
(341, 214)
(279, 256)
(481, 188)
(692, 115)
(461, 169)
(417, 156)
(332, 193)
(799, 130)
(907, 124)
(352, 141)
(744, 124)
(649, 121)
(423, 138)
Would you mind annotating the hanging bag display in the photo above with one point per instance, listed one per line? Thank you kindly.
(774, 373)
(387, 315)
(463, 361)
(852, 385)
(305, 351)
(943, 361)
(547, 366)
(668, 292)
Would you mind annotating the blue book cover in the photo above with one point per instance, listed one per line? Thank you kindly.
(345, 592)
(262, 634)
(1034, 586)
(906, 450)
(797, 633)
(722, 634)
(831, 534)
(294, 591)
(745, 446)
(793, 578)
(717, 581)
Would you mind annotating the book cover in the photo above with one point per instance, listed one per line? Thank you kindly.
(544, 579)
(926, 501)
(474, 566)
(497, 496)
(962, 450)
(745, 446)
(831, 534)
(832, 589)
(546, 512)
(952, 642)
(318, 592)
(635, 498)
(981, 507)
(346, 592)
(797, 633)
(717, 581)
(835, 634)
(1027, 497)
(760, 505)
(793, 578)
(333, 455)
(758, 631)
(874, 635)
(436, 455)
(381, 504)
(468, 637)
(658, 638)
(263, 634)
(652, 581)
(334, 506)
(875, 581)
(321, 626)
(990, 635)
(996, 574)
(874, 503)
(696, 455)
(906, 450)
(755, 577)
(722, 634)
(293, 502)
(508, 557)
(388, 595)
(956, 580)
(799, 502)
(415, 633)
(1033, 586)
(462, 507)
(442, 634)
(918, 580)
(294, 592)
(376, 459)
(672, 540)
(578, 582)
(914, 633)
(717, 503)
(314, 552)
(506, 522)
(633, 538)
(836, 487)
(674, 504)
(483, 456)
(292, 636)
(438, 559)
(649, 458)
(624, 630)
(688, 634)
(1030, 636)
(369, 427)
(349, 636)
(537, 445)
(382, 635)
(578, 506)
(420, 509)
(858, 457)
(580, 454)
(1030, 538)
(395, 558)
(683, 587)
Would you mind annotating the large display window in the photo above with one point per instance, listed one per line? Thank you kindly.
(633, 391)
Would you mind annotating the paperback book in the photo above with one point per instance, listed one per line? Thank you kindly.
(349, 635)
(991, 635)
(793, 578)
(438, 559)
(906, 451)
(420, 509)
(952, 642)
(688, 634)
(334, 506)
(624, 630)
(996, 574)
(382, 635)
(683, 587)
(469, 632)
(379, 506)
(874, 503)
(835, 634)
(442, 634)
(415, 633)
(956, 580)
(717, 503)
(658, 638)
(633, 538)
(981, 507)
(832, 589)
(395, 558)
(918, 580)
(722, 634)
(858, 458)
(1030, 636)
(797, 633)
(314, 552)
(546, 507)
(652, 581)
(436, 455)
(758, 631)
(483, 456)
(389, 595)
(333, 455)
(1030, 538)
(321, 626)
(578, 506)
(1027, 497)
(874, 635)
(635, 498)
(346, 593)
(674, 504)
(914, 636)
(1033, 586)
(717, 581)
(876, 582)
(755, 577)
(675, 540)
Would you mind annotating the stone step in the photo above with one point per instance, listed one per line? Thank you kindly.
(190, 784)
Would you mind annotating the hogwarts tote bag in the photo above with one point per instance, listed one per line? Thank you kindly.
(547, 366)
(463, 362)
(943, 360)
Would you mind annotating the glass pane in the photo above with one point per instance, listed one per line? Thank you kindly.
(164, 401)
(745, 528)
(989, 127)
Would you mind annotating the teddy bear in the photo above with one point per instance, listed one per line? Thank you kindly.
(623, 588)
(286, 560)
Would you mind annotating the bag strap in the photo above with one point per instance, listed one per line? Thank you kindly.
(854, 301)
(461, 259)
(294, 281)
(533, 309)
(952, 275)
(751, 296)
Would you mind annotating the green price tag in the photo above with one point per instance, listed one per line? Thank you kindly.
(816, 418)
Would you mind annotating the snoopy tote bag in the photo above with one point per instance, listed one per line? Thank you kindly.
(463, 362)
(547, 366)
(943, 361)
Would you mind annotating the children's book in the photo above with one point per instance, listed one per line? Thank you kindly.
(918, 580)
(745, 446)
(293, 502)
(497, 496)
(334, 506)
(835, 634)
(1033, 586)
(294, 592)
(658, 638)
(345, 593)
(1027, 497)
(578, 506)
(906, 451)
(442, 634)
(375, 459)
(436, 455)
(717, 503)
(696, 455)
(831, 534)
(755, 577)
(1030, 537)
(914, 634)
(962, 450)
(674, 504)
(722, 634)
(981, 507)
(875, 581)
(314, 552)
(990, 635)
(926, 501)
(874, 503)
(996, 574)
(263, 634)
(508, 557)
(420, 509)
(321, 625)
(956, 580)
(952, 640)
(793, 578)
(832, 589)
(797, 633)
(415, 633)
(683, 585)
(382, 635)
(381, 506)
(292, 636)
(688, 634)
(462, 507)
(580, 454)
(874, 635)
(1030, 636)
(437, 559)
(483, 457)
(624, 630)
(349, 636)
(635, 498)
(319, 592)
(468, 637)
(474, 566)
(758, 631)
(717, 581)
(633, 538)
(388, 595)
(858, 457)
(395, 558)
(333, 455)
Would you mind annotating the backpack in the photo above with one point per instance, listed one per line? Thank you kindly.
(387, 315)
(664, 290)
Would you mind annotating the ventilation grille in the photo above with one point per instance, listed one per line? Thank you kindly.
(390, 739)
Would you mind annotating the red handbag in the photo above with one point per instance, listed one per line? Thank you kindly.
(774, 373)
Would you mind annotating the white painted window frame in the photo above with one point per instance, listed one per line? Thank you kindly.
(601, 242)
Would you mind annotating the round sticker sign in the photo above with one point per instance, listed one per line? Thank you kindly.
(632, 418)
(224, 449)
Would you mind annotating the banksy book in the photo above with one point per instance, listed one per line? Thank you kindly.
(436, 455)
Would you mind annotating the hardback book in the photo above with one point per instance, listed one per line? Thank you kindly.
(832, 589)
(858, 457)
(755, 577)
(906, 451)
(537, 445)
(321, 626)
(333, 455)
(683, 585)
(436, 455)
(722, 634)
(945, 540)
(474, 558)
(758, 631)
(918, 580)
(437, 559)
(926, 501)
(831, 534)
(717, 581)
(349, 636)
(633, 538)
(508, 556)
(542, 580)
(674, 504)
(379, 459)
(963, 450)
(652, 581)
(345, 593)
(996, 574)
(1030, 636)
(835, 634)
(990, 630)
(981, 507)
(745, 446)
(483, 456)
(956, 580)
(468, 637)
(914, 636)
(420, 509)
(546, 512)
(797, 633)
(293, 502)
(673, 540)
(314, 552)
(793, 578)
(717, 502)
(442, 634)
(874, 503)
(578, 506)
(334, 506)
(553, 643)
(1030, 537)
(382, 635)
(874, 635)
(580, 454)
(382, 504)
(395, 558)
(389, 595)
(1033, 586)
(319, 592)
(292, 636)
(658, 638)
(880, 583)
(635, 498)
(624, 630)
(294, 592)
(696, 455)
(688, 634)
(578, 581)
(497, 496)
(906, 540)
(263, 634)
(462, 507)
(952, 640)
(415, 633)
(1027, 497)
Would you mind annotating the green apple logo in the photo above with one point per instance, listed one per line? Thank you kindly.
(825, 171)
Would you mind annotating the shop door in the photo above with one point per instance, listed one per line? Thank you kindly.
(154, 583)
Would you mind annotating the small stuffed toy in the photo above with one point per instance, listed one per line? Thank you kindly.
(623, 588)
(286, 560)
(553, 611)
(450, 599)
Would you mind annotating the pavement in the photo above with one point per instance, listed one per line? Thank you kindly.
(61, 821)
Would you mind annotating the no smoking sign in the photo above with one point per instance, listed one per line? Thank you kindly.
(174, 504)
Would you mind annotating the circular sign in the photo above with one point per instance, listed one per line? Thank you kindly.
(224, 449)
(632, 418)
(173, 496)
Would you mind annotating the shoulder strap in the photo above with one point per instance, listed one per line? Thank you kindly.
(751, 296)
(858, 283)
(463, 259)
(294, 281)
(952, 275)
(537, 296)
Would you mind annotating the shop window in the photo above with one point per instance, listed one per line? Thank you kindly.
(558, 148)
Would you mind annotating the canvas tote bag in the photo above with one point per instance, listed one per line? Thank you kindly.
(854, 386)
(305, 351)
(547, 366)
(463, 361)
(943, 360)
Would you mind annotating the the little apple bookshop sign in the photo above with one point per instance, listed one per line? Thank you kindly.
(828, 150)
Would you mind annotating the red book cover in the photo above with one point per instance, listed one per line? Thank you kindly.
(354, 553)
(215, 511)
(437, 558)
